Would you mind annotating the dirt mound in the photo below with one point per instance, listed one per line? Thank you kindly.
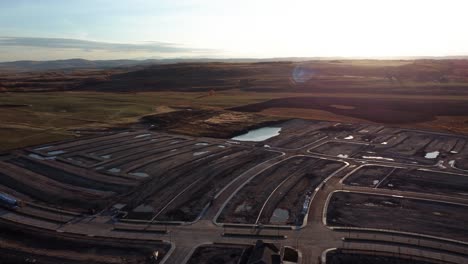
(192, 77)
(208, 123)
(380, 110)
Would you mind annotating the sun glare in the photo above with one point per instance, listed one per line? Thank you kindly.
(351, 28)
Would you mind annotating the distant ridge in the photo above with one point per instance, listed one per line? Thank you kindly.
(70, 64)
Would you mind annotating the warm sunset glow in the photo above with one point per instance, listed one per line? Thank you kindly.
(261, 28)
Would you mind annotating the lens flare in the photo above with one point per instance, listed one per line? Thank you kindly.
(302, 74)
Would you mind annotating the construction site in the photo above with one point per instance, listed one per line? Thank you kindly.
(296, 191)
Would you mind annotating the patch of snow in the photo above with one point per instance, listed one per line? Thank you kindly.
(377, 158)
(114, 170)
(266, 146)
(200, 153)
(451, 163)
(202, 144)
(370, 204)
(221, 146)
(375, 182)
(35, 156)
(384, 143)
(390, 185)
(344, 156)
(41, 148)
(440, 164)
(454, 152)
(432, 155)
(142, 135)
(119, 206)
(106, 156)
(349, 137)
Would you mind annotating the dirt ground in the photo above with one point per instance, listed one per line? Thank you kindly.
(246, 205)
(220, 254)
(300, 133)
(286, 186)
(432, 182)
(344, 257)
(427, 182)
(207, 123)
(388, 111)
(368, 176)
(20, 246)
(400, 214)
(195, 182)
(292, 195)
(393, 144)
(338, 149)
(174, 177)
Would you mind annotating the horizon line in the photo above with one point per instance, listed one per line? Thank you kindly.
(285, 58)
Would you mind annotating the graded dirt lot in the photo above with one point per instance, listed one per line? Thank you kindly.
(369, 176)
(343, 256)
(145, 185)
(227, 254)
(410, 215)
(20, 246)
(155, 176)
(196, 180)
(425, 181)
(293, 196)
(428, 182)
(263, 197)
(394, 145)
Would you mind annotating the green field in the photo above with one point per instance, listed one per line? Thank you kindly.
(51, 116)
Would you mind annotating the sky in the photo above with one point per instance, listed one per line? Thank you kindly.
(139, 29)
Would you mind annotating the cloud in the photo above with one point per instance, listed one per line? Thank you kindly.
(86, 45)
